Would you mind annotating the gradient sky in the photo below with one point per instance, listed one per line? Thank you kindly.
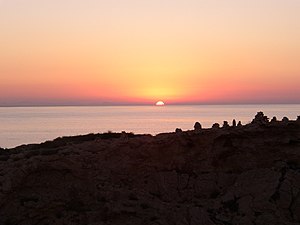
(133, 51)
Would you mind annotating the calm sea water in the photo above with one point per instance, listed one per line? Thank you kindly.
(23, 125)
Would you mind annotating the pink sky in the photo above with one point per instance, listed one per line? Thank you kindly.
(128, 51)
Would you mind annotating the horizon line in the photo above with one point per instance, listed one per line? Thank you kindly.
(146, 104)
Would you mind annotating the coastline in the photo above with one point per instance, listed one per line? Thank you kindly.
(231, 175)
(35, 125)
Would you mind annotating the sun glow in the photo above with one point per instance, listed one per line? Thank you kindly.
(160, 103)
(183, 54)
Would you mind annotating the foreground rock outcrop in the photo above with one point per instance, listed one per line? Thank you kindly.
(246, 175)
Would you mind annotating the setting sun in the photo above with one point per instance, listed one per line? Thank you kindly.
(160, 103)
(118, 53)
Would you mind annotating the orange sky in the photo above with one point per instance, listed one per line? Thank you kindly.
(130, 51)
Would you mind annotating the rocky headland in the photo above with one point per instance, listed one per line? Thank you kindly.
(226, 175)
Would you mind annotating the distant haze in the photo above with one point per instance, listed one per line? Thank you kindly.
(97, 52)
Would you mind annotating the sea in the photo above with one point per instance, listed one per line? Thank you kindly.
(27, 125)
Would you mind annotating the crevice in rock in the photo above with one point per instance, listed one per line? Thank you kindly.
(292, 203)
(276, 195)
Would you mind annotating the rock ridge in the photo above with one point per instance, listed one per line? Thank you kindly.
(226, 175)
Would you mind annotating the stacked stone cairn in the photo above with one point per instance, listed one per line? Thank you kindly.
(260, 119)
(197, 127)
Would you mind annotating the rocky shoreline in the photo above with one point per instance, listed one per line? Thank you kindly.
(236, 174)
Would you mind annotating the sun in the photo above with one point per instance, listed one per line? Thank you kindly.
(160, 103)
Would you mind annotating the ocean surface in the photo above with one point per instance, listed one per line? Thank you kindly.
(24, 125)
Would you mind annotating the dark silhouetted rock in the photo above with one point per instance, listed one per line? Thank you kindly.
(178, 130)
(274, 119)
(298, 118)
(233, 123)
(216, 126)
(4, 157)
(260, 119)
(225, 124)
(124, 135)
(239, 124)
(197, 126)
(285, 119)
(247, 176)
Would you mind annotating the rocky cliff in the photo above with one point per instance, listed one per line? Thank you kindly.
(246, 175)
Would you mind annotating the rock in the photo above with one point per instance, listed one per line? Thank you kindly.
(6, 186)
(48, 151)
(239, 124)
(197, 126)
(178, 130)
(285, 119)
(31, 153)
(249, 175)
(198, 216)
(274, 119)
(225, 124)
(260, 119)
(4, 157)
(233, 123)
(124, 136)
(216, 126)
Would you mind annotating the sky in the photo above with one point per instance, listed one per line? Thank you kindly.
(86, 52)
